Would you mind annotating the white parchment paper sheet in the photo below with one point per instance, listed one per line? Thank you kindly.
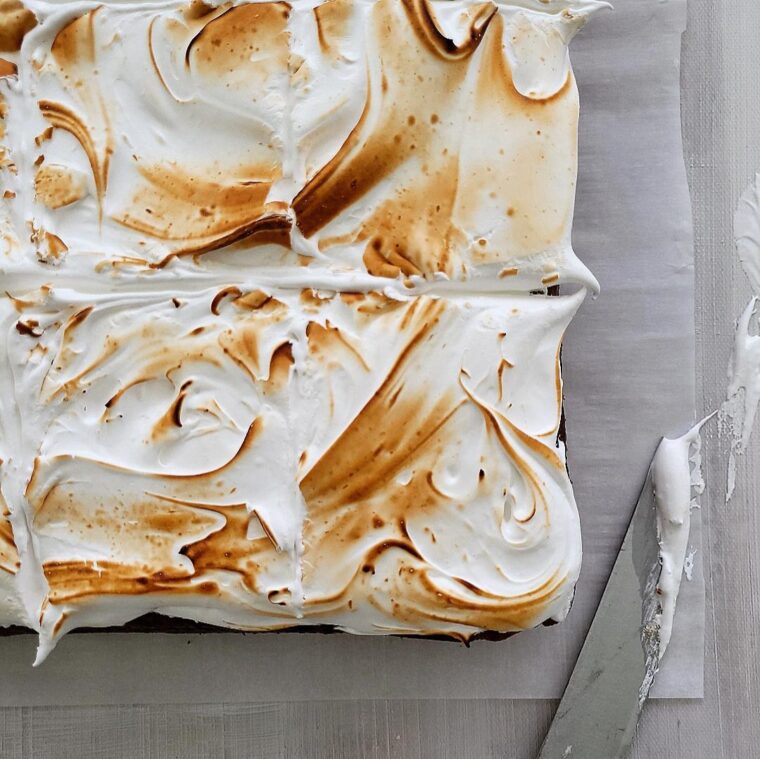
(629, 372)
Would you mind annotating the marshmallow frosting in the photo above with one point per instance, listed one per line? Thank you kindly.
(276, 344)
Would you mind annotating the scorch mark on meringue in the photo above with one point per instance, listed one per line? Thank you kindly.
(16, 20)
(329, 340)
(62, 117)
(158, 518)
(422, 20)
(173, 204)
(75, 51)
(172, 417)
(57, 186)
(7, 69)
(227, 548)
(253, 36)
(332, 19)
(9, 558)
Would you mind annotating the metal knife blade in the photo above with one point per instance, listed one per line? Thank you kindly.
(600, 708)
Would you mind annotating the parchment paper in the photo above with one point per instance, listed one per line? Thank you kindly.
(629, 372)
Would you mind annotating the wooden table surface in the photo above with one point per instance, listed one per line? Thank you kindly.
(721, 119)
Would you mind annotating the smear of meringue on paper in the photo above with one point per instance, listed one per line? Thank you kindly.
(738, 412)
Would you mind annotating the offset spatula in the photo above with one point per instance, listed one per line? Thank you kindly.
(599, 710)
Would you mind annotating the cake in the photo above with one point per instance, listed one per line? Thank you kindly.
(281, 341)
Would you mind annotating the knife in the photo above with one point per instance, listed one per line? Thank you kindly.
(600, 708)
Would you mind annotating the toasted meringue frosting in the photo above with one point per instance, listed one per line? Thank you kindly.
(272, 350)
(11, 607)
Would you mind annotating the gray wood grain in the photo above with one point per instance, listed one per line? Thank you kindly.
(721, 118)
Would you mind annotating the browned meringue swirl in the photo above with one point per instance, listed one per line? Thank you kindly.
(9, 559)
(15, 21)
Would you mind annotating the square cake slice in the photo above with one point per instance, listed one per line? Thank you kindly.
(267, 459)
